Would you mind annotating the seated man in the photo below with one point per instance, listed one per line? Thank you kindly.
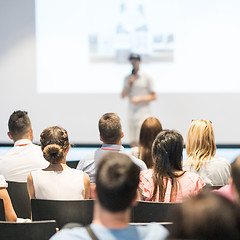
(110, 130)
(24, 157)
(117, 181)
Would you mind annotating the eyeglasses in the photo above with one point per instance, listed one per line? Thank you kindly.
(202, 120)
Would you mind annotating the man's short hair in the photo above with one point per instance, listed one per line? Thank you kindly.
(134, 56)
(19, 124)
(117, 181)
(110, 128)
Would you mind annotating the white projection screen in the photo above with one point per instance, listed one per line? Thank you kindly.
(64, 62)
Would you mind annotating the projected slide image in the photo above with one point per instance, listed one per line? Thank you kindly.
(186, 46)
(134, 32)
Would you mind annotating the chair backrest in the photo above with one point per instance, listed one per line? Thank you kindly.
(80, 211)
(211, 188)
(72, 164)
(153, 212)
(41, 230)
(2, 212)
(20, 199)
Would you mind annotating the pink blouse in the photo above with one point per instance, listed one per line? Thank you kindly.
(188, 185)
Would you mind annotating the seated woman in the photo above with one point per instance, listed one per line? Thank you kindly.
(207, 216)
(57, 181)
(149, 130)
(167, 182)
(201, 149)
(10, 214)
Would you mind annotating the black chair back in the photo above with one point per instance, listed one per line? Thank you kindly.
(146, 212)
(2, 212)
(42, 230)
(80, 211)
(20, 199)
(211, 188)
(72, 164)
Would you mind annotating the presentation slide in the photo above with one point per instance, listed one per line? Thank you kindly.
(186, 46)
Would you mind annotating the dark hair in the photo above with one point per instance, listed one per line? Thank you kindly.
(167, 155)
(19, 124)
(110, 128)
(134, 56)
(207, 216)
(54, 143)
(235, 166)
(117, 180)
(148, 132)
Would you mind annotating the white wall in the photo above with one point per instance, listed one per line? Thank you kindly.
(79, 113)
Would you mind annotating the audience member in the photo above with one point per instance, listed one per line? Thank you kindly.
(57, 181)
(148, 132)
(10, 214)
(24, 157)
(117, 181)
(201, 149)
(232, 190)
(110, 130)
(167, 182)
(207, 216)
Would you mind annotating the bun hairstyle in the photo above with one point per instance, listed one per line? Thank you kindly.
(54, 143)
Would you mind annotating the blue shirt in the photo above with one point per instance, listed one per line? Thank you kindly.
(88, 164)
(149, 232)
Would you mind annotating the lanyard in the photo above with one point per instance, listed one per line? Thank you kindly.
(110, 149)
(20, 145)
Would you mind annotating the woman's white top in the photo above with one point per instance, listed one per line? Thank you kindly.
(59, 185)
(217, 171)
(3, 182)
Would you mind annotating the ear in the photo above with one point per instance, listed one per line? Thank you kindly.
(68, 148)
(10, 136)
(101, 139)
(122, 135)
(31, 134)
(136, 198)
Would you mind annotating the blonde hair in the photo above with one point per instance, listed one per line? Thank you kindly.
(200, 144)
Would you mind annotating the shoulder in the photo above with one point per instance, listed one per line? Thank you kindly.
(138, 162)
(146, 179)
(86, 160)
(78, 233)
(152, 231)
(3, 183)
(218, 160)
(190, 178)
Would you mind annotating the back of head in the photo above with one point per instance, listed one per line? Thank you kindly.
(167, 155)
(207, 216)
(117, 181)
(148, 132)
(167, 152)
(235, 166)
(54, 143)
(200, 142)
(19, 125)
(110, 128)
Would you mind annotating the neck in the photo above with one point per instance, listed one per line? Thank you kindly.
(110, 220)
(58, 166)
(25, 137)
(117, 143)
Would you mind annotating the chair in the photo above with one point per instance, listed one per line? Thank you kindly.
(211, 188)
(146, 212)
(73, 164)
(20, 199)
(80, 211)
(2, 212)
(41, 230)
